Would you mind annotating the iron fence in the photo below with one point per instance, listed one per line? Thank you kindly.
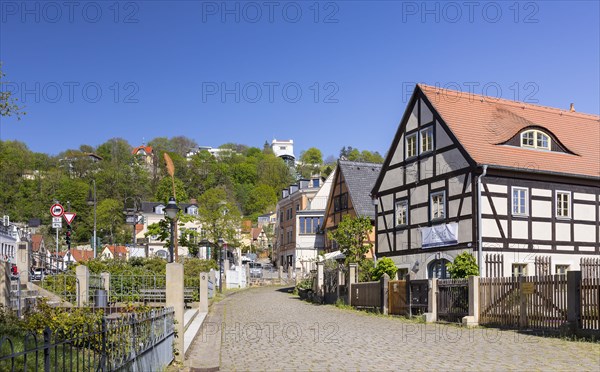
(64, 285)
(133, 342)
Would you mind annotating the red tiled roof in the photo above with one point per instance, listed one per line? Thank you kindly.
(255, 232)
(482, 124)
(36, 242)
(147, 149)
(82, 255)
(117, 250)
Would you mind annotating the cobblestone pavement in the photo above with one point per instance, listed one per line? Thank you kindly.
(267, 329)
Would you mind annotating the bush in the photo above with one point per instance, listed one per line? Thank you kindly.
(365, 270)
(464, 265)
(385, 265)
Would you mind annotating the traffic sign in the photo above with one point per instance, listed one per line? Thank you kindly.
(56, 223)
(57, 210)
(69, 217)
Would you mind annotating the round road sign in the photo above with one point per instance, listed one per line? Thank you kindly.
(57, 210)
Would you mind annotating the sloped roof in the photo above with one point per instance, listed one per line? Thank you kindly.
(147, 149)
(117, 250)
(255, 232)
(360, 179)
(482, 124)
(82, 255)
(36, 242)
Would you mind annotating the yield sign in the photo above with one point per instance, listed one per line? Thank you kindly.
(57, 210)
(69, 217)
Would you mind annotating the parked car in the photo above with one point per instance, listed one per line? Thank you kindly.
(255, 270)
(37, 275)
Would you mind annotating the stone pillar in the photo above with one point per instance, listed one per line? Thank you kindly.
(106, 282)
(175, 299)
(203, 293)
(212, 275)
(352, 278)
(280, 274)
(474, 298)
(4, 284)
(22, 261)
(289, 272)
(320, 278)
(574, 300)
(248, 274)
(340, 280)
(431, 315)
(83, 285)
(225, 269)
(384, 281)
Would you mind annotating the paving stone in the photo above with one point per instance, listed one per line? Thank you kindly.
(266, 329)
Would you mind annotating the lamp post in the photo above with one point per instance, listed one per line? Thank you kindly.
(131, 214)
(220, 244)
(171, 211)
(93, 201)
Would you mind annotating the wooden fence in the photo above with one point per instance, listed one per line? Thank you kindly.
(590, 303)
(538, 302)
(590, 267)
(397, 297)
(367, 294)
(452, 299)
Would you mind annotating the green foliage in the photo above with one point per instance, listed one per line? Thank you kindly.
(365, 270)
(364, 156)
(8, 104)
(305, 284)
(464, 265)
(385, 265)
(352, 235)
(219, 216)
(165, 190)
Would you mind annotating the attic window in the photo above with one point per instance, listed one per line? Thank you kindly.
(535, 139)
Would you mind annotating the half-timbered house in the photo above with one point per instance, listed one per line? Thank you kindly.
(515, 184)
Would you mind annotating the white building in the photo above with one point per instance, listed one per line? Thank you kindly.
(517, 185)
(284, 149)
(153, 212)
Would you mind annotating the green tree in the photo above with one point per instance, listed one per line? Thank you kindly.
(260, 199)
(220, 217)
(8, 104)
(312, 156)
(165, 190)
(385, 265)
(464, 265)
(352, 235)
(110, 217)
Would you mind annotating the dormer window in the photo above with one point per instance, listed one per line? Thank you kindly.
(535, 139)
(193, 211)
(159, 209)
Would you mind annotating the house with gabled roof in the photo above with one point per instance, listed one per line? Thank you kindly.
(350, 195)
(115, 252)
(154, 212)
(515, 184)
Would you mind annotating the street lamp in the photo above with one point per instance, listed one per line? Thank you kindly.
(220, 244)
(131, 214)
(93, 201)
(171, 211)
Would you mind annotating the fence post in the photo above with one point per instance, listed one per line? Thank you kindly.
(574, 300)
(320, 278)
(248, 274)
(203, 292)
(472, 320)
(431, 316)
(340, 279)
(83, 289)
(280, 273)
(385, 279)
(4, 285)
(523, 304)
(175, 298)
(352, 272)
(106, 282)
(47, 341)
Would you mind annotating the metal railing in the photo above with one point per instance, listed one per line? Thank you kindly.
(140, 341)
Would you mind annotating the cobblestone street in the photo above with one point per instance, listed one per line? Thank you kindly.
(268, 329)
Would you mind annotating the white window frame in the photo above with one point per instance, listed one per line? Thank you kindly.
(401, 205)
(415, 148)
(512, 198)
(569, 206)
(536, 134)
(421, 138)
(524, 268)
(557, 266)
(431, 205)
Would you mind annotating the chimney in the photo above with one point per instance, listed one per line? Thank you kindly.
(572, 108)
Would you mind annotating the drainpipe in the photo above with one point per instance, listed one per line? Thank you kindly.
(479, 229)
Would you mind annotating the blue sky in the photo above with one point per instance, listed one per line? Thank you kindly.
(327, 74)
